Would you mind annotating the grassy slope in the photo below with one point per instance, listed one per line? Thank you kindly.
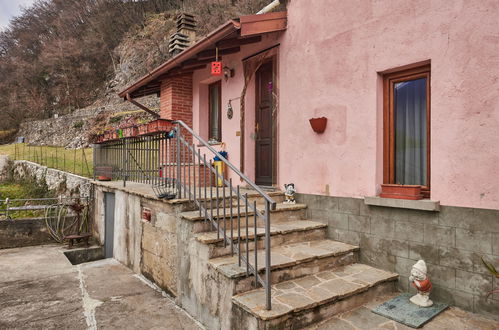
(69, 160)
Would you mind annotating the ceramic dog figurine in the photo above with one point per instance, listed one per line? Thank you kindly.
(422, 283)
(289, 194)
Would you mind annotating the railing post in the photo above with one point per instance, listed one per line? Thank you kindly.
(179, 185)
(267, 257)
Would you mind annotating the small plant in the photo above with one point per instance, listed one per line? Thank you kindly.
(78, 124)
(115, 119)
(494, 272)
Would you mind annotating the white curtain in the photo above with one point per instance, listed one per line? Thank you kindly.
(410, 132)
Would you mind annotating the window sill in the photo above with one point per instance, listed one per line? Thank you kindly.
(422, 204)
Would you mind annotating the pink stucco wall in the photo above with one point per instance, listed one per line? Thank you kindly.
(330, 59)
(231, 89)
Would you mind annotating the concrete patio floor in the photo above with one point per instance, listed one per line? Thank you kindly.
(40, 289)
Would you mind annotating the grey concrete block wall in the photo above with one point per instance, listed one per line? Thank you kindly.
(451, 241)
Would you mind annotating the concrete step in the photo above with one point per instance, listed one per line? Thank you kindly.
(289, 261)
(281, 232)
(283, 212)
(310, 299)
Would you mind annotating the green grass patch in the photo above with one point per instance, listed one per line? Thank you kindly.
(77, 161)
(25, 189)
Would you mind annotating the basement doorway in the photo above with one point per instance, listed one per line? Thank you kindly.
(109, 224)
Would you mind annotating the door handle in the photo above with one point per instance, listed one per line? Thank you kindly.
(257, 128)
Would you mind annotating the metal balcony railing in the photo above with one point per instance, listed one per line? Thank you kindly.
(179, 164)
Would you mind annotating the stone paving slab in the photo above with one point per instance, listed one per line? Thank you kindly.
(313, 290)
(275, 229)
(194, 215)
(362, 318)
(284, 256)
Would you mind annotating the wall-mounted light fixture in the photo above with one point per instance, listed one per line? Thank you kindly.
(228, 72)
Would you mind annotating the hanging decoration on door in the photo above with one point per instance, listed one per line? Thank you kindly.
(216, 67)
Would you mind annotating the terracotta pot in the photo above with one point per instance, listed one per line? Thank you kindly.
(130, 131)
(401, 191)
(159, 125)
(318, 124)
(143, 129)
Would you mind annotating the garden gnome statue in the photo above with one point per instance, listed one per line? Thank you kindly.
(422, 283)
(289, 194)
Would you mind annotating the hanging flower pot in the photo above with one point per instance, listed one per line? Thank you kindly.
(401, 191)
(318, 124)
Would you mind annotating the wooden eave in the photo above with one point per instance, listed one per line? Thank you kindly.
(229, 37)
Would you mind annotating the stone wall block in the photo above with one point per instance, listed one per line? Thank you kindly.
(166, 221)
(422, 217)
(472, 240)
(318, 214)
(459, 217)
(487, 307)
(495, 244)
(479, 267)
(409, 231)
(347, 236)
(359, 223)
(403, 267)
(338, 220)
(442, 276)
(430, 254)
(389, 246)
(349, 205)
(329, 203)
(390, 213)
(439, 235)
(378, 259)
(382, 227)
(477, 284)
(486, 220)
(452, 297)
(460, 259)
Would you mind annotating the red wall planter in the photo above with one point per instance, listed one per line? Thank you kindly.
(318, 124)
(159, 125)
(401, 191)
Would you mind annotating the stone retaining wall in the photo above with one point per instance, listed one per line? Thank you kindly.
(451, 241)
(23, 232)
(62, 182)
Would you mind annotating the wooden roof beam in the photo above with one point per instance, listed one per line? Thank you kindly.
(234, 42)
(209, 53)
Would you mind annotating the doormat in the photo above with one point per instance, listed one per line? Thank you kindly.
(400, 309)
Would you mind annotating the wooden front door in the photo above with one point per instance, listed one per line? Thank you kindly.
(264, 167)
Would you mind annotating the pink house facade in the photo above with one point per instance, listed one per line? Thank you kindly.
(344, 61)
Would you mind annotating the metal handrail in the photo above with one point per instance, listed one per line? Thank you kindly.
(273, 203)
(270, 204)
(173, 162)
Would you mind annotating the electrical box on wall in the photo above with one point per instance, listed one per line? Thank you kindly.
(146, 214)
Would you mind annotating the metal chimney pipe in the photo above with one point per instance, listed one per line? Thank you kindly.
(269, 7)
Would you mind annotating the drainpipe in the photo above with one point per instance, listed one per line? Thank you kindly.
(269, 7)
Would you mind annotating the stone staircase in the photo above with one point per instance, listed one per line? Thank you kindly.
(313, 278)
